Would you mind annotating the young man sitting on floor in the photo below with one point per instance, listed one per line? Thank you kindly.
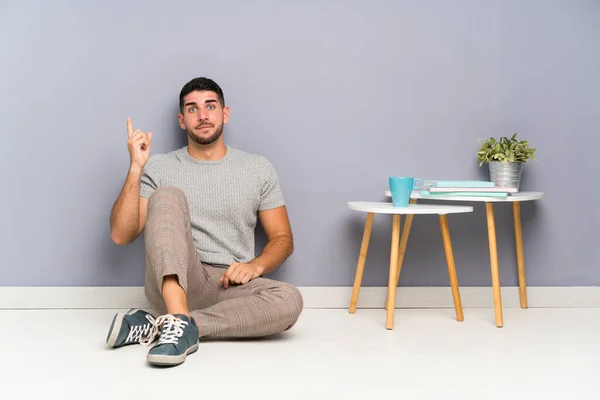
(199, 206)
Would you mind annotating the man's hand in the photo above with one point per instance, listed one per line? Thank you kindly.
(138, 144)
(241, 274)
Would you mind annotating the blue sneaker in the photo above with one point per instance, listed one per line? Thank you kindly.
(178, 338)
(133, 327)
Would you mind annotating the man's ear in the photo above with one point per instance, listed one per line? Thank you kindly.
(226, 114)
(181, 123)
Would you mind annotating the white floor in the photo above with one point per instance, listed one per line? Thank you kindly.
(329, 354)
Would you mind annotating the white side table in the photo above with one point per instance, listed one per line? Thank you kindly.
(398, 248)
(516, 200)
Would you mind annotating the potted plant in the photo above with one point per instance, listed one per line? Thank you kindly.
(505, 158)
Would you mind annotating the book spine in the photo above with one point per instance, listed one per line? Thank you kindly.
(462, 194)
(473, 184)
(473, 189)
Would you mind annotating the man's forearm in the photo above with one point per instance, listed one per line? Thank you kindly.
(276, 251)
(125, 214)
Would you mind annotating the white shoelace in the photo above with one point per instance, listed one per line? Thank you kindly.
(145, 334)
(172, 328)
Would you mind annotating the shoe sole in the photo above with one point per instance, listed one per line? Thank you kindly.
(169, 361)
(115, 327)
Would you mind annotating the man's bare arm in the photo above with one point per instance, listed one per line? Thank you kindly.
(280, 245)
(128, 215)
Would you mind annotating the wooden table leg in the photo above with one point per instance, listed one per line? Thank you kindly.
(391, 299)
(404, 240)
(451, 267)
(403, 243)
(489, 208)
(361, 261)
(520, 257)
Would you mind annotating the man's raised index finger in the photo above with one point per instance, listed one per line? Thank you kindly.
(129, 128)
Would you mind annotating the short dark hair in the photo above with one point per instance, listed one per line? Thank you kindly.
(201, 84)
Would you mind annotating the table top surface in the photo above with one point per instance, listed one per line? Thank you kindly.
(521, 196)
(380, 207)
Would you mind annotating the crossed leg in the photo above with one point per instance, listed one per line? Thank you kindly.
(178, 282)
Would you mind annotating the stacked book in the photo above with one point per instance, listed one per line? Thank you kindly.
(465, 189)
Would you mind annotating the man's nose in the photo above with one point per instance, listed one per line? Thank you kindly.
(202, 115)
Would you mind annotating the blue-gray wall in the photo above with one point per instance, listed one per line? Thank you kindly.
(337, 94)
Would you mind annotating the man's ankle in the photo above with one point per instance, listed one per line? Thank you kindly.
(174, 296)
(177, 313)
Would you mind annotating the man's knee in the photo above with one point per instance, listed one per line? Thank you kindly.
(168, 196)
(166, 193)
(294, 303)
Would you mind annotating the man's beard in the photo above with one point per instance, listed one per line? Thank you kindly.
(205, 140)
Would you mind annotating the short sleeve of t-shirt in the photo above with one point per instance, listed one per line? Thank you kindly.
(150, 177)
(270, 195)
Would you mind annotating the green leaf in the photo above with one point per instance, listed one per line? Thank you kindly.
(504, 149)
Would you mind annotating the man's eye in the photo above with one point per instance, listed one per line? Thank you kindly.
(211, 107)
(192, 109)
